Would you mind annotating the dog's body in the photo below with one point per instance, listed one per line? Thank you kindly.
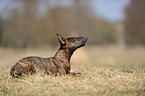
(57, 65)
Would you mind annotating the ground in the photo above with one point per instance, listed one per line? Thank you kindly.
(106, 71)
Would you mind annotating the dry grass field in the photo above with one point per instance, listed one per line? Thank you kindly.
(106, 71)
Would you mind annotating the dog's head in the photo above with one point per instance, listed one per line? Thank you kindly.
(71, 43)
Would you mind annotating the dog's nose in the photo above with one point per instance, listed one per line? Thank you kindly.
(85, 38)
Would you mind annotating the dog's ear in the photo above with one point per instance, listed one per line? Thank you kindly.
(61, 39)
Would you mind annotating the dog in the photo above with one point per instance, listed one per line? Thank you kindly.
(57, 66)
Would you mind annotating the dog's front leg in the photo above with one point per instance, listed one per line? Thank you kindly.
(75, 74)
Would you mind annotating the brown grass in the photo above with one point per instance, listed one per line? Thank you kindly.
(105, 71)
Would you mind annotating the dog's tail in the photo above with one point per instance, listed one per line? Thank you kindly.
(12, 72)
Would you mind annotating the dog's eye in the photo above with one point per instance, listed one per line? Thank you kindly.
(78, 39)
(71, 40)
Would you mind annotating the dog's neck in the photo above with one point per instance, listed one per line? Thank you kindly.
(64, 55)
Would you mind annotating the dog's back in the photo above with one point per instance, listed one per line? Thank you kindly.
(30, 65)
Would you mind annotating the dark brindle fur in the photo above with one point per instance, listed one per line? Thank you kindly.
(57, 65)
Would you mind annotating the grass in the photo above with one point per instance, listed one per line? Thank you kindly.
(106, 71)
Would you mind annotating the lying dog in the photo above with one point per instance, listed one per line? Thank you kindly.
(57, 65)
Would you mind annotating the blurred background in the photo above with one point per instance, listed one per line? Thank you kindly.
(113, 60)
(34, 23)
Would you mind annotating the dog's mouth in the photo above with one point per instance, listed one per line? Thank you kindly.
(83, 44)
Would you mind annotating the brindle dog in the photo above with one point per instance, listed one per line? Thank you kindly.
(57, 65)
